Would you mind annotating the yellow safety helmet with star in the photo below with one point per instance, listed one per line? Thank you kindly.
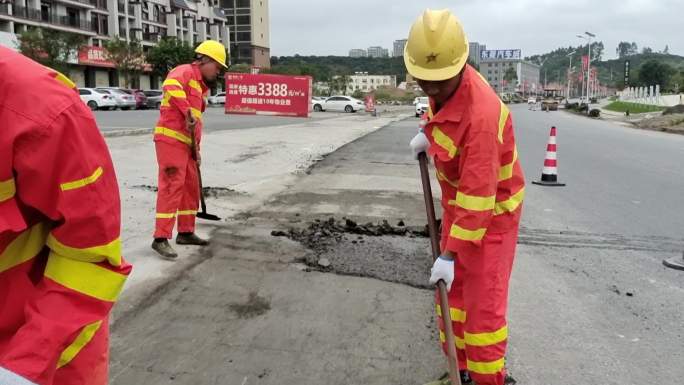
(437, 47)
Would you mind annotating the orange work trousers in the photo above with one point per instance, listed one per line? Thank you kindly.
(479, 301)
(178, 193)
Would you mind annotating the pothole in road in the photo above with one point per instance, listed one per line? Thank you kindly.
(253, 307)
(399, 254)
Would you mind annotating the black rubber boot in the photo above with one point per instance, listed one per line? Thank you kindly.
(190, 239)
(164, 249)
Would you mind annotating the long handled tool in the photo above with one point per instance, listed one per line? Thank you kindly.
(454, 375)
(193, 149)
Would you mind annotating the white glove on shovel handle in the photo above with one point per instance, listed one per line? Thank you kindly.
(442, 269)
(420, 142)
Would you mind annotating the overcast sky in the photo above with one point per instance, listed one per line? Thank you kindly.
(332, 27)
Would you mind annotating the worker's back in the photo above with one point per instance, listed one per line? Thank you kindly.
(60, 255)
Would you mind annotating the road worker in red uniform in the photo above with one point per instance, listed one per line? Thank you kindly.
(469, 134)
(184, 101)
(61, 268)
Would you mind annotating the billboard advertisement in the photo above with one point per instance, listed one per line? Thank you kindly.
(264, 94)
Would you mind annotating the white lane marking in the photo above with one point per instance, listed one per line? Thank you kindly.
(548, 210)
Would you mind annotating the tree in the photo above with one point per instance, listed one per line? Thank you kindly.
(127, 56)
(51, 49)
(510, 76)
(625, 49)
(358, 94)
(169, 53)
(666, 51)
(654, 72)
(634, 49)
(647, 50)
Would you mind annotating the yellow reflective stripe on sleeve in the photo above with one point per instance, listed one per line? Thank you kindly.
(85, 277)
(511, 204)
(165, 101)
(82, 182)
(187, 212)
(64, 80)
(172, 82)
(506, 172)
(444, 141)
(111, 252)
(459, 232)
(442, 177)
(486, 339)
(166, 215)
(83, 338)
(197, 114)
(459, 342)
(24, 247)
(457, 315)
(430, 113)
(195, 84)
(7, 189)
(503, 117)
(491, 367)
(473, 203)
(172, 134)
(176, 94)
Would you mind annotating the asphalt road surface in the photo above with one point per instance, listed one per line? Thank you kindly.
(590, 300)
(215, 119)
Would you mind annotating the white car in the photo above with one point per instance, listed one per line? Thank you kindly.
(532, 101)
(97, 100)
(124, 100)
(219, 98)
(422, 106)
(340, 103)
(317, 103)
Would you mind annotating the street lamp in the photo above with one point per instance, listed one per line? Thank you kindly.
(567, 96)
(588, 37)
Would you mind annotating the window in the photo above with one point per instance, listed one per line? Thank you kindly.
(72, 17)
(84, 92)
(243, 20)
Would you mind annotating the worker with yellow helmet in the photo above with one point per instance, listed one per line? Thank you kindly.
(469, 134)
(179, 129)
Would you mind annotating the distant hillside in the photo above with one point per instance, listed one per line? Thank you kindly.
(323, 68)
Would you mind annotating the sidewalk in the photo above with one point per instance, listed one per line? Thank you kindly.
(243, 167)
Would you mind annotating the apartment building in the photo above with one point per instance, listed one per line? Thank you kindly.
(100, 20)
(249, 24)
(364, 82)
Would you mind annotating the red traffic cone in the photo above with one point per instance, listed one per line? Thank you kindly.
(550, 171)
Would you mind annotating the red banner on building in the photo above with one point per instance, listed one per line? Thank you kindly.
(261, 94)
(585, 63)
(94, 56)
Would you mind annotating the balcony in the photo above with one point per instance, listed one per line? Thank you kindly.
(121, 7)
(99, 4)
(4, 9)
(49, 18)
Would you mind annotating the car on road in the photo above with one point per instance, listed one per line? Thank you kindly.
(124, 100)
(140, 98)
(97, 100)
(422, 106)
(532, 101)
(340, 103)
(219, 98)
(317, 103)
(154, 98)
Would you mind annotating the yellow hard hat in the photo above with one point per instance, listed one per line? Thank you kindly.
(437, 48)
(214, 50)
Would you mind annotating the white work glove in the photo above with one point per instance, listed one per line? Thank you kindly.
(420, 142)
(443, 269)
(10, 378)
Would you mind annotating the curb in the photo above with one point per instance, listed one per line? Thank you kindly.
(131, 132)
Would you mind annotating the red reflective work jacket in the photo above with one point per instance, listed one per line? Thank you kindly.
(184, 92)
(61, 268)
(473, 145)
